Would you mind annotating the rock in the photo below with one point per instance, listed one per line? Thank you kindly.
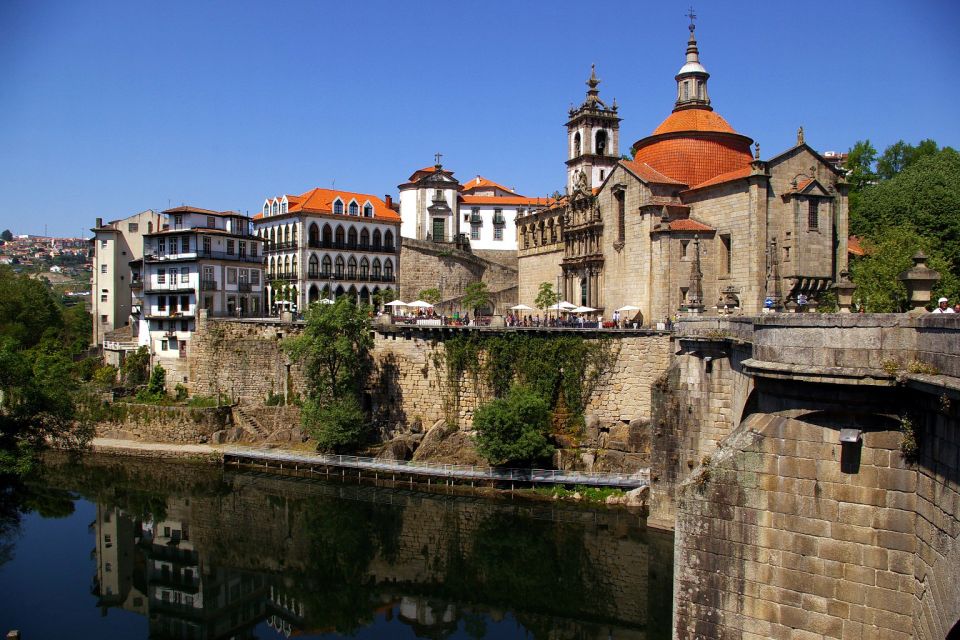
(637, 497)
(455, 448)
(615, 500)
(592, 433)
(432, 438)
(218, 437)
(587, 459)
(398, 449)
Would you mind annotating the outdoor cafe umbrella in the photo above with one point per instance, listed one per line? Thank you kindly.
(628, 307)
(521, 307)
(420, 304)
(325, 301)
(397, 303)
(562, 306)
(582, 310)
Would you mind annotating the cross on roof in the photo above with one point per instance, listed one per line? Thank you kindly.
(692, 17)
(438, 155)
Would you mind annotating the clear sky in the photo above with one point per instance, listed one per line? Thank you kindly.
(111, 107)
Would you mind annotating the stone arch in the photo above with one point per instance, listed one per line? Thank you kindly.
(339, 292)
(313, 295)
(313, 268)
(352, 294)
(364, 295)
(600, 142)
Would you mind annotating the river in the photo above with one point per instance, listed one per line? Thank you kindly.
(127, 548)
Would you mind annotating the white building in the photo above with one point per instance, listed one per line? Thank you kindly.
(328, 243)
(198, 259)
(434, 206)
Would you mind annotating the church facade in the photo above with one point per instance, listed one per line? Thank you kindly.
(695, 222)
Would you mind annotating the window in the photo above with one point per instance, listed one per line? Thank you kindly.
(184, 325)
(231, 276)
(338, 207)
(388, 269)
(103, 318)
(103, 297)
(229, 247)
(576, 145)
(103, 244)
(339, 266)
(684, 245)
(474, 232)
(185, 303)
(184, 274)
(354, 209)
(266, 210)
(327, 266)
(244, 276)
(686, 91)
(207, 245)
(107, 567)
(498, 232)
(726, 254)
(211, 222)
(161, 303)
(243, 248)
(132, 227)
(498, 217)
(368, 210)
(178, 220)
(103, 268)
(813, 220)
(600, 145)
(283, 207)
(161, 276)
(164, 347)
(438, 194)
(161, 246)
(352, 268)
(364, 269)
(254, 249)
(185, 244)
(255, 276)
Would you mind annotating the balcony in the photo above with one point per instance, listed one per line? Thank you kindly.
(235, 257)
(499, 219)
(208, 285)
(346, 246)
(168, 287)
(282, 275)
(476, 219)
(244, 287)
(163, 314)
(277, 247)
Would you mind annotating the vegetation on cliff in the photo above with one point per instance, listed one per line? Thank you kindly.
(41, 370)
(335, 351)
(514, 429)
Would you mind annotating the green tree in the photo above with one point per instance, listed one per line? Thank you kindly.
(335, 351)
(546, 297)
(901, 155)
(513, 429)
(860, 161)
(383, 296)
(924, 195)
(431, 295)
(6, 236)
(105, 377)
(476, 295)
(133, 371)
(889, 253)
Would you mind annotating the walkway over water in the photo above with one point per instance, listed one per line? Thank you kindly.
(431, 471)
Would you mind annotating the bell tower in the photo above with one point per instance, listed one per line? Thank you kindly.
(593, 138)
(692, 77)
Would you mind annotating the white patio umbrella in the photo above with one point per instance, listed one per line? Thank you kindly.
(521, 307)
(628, 307)
(582, 310)
(325, 301)
(397, 303)
(563, 304)
(420, 304)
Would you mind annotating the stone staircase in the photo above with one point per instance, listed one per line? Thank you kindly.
(243, 419)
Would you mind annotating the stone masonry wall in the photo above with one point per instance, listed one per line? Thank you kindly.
(425, 263)
(188, 425)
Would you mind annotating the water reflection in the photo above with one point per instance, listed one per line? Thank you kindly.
(203, 553)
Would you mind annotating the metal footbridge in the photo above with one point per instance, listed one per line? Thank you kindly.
(449, 473)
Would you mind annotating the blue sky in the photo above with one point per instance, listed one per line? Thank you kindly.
(112, 107)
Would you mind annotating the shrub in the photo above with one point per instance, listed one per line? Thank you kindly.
(514, 429)
(105, 377)
(337, 426)
(181, 392)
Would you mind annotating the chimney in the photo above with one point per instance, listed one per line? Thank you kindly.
(388, 200)
(99, 223)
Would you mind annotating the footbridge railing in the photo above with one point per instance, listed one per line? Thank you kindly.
(457, 472)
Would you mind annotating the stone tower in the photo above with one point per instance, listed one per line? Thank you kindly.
(692, 79)
(593, 138)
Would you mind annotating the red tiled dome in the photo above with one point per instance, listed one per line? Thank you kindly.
(694, 145)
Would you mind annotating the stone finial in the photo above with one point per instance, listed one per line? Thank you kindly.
(919, 281)
(844, 288)
(756, 150)
(800, 136)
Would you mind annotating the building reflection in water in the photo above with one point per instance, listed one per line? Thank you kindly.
(296, 559)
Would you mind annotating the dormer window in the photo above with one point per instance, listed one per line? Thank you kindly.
(338, 206)
(354, 209)
(283, 207)
(368, 210)
(276, 207)
(266, 209)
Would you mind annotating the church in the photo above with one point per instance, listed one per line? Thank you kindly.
(695, 222)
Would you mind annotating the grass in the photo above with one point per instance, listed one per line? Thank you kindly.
(597, 495)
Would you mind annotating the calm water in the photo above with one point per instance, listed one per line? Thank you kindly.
(140, 549)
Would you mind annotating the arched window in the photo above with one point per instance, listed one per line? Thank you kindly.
(364, 296)
(314, 294)
(327, 266)
(352, 238)
(339, 292)
(293, 235)
(293, 266)
(583, 292)
(364, 239)
(576, 145)
(273, 267)
(266, 209)
(526, 237)
(354, 209)
(338, 206)
(314, 266)
(327, 236)
(326, 291)
(376, 239)
(388, 240)
(601, 142)
(283, 207)
(364, 269)
(282, 239)
(553, 232)
(276, 207)
(338, 271)
(272, 240)
(376, 268)
(368, 210)
(352, 293)
(286, 265)
(313, 235)
(338, 237)
(388, 269)
(352, 268)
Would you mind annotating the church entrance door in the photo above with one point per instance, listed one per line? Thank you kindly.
(439, 234)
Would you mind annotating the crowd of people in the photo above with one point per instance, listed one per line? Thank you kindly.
(943, 306)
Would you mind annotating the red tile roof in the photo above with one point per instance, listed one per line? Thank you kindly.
(321, 201)
(730, 176)
(420, 173)
(647, 173)
(693, 120)
(686, 224)
(483, 183)
(854, 248)
(505, 200)
(693, 160)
